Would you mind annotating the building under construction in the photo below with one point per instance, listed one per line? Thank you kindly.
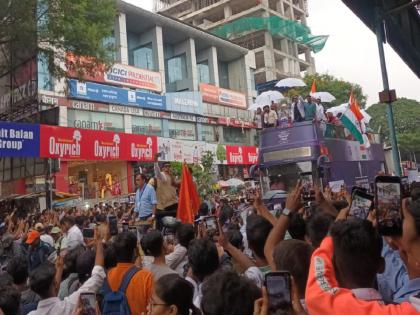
(276, 30)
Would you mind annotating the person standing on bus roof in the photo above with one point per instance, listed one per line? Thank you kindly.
(310, 109)
(297, 111)
(320, 111)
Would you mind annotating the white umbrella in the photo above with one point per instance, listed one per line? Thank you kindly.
(325, 97)
(290, 82)
(265, 98)
(338, 109)
(235, 182)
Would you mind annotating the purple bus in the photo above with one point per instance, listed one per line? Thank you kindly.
(324, 150)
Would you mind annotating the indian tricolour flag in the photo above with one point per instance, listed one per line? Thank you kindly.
(349, 120)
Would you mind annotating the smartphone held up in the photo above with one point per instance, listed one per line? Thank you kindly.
(388, 200)
(279, 290)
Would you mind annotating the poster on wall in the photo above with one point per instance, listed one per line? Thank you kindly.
(180, 150)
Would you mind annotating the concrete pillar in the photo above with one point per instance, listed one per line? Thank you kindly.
(62, 116)
(127, 124)
(121, 39)
(279, 7)
(160, 57)
(227, 10)
(191, 82)
(210, 55)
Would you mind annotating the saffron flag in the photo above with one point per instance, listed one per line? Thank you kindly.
(313, 87)
(355, 108)
(189, 200)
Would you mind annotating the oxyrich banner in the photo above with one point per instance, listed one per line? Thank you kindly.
(82, 144)
(111, 94)
(19, 140)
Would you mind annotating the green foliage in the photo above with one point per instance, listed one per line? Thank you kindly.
(221, 153)
(176, 169)
(407, 123)
(81, 27)
(327, 83)
(203, 175)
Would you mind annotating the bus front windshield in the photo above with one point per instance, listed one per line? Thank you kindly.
(285, 176)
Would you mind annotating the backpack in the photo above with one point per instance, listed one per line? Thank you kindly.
(115, 302)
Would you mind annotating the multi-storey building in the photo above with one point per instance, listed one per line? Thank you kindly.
(179, 88)
(276, 30)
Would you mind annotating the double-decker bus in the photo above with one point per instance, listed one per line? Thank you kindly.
(327, 151)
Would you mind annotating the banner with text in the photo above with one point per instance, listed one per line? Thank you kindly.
(19, 140)
(111, 94)
(216, 95)
(82, 144)
(118, 74)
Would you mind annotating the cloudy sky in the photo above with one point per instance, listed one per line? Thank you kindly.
(351, 52)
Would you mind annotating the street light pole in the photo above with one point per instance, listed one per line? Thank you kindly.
(390, 114)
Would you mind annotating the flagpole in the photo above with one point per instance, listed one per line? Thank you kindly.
(390, 115)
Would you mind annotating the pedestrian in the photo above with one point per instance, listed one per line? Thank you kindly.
(39, 251)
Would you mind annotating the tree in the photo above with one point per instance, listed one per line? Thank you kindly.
(407, 124)
(203, 174)
(327, 83)
(54, 28)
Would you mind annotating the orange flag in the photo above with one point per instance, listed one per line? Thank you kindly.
(313, 87)
(189, 200)
(354, 107)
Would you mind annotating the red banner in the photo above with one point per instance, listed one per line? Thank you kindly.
(241, 155)
(251, 155)
(83, 144)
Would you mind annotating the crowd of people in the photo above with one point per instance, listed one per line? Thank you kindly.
(298, 110)
(219, 265)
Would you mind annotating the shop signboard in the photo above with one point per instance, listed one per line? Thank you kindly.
(118, 74)
(206, 120)
(234, 122)
(215, 95)
(155, 114)
(186, 102)
(141, 148)
(251, 155)
(19, 140)
(111, 94)
(62, 143)
(235, 155)
(121, 109)
(74, 104)
(82, 144)
(184, 117)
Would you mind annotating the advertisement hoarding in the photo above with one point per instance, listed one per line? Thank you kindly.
(19, 140)
(215, 95)
(111, 94)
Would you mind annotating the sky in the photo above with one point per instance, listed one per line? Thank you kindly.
(351, 52)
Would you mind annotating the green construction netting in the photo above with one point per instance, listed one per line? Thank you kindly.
(276, 26)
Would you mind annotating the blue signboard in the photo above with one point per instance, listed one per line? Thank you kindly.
(111, 94)
(19, 140)
(186, 102)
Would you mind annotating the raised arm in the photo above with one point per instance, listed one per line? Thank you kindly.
(293, 204)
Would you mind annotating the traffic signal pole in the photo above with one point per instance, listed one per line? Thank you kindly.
(379, 30)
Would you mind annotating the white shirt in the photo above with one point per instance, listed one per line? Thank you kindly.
(74, 238)
(177, 259)
(54, 306)
(198, 295)
(320, 115)
(47, 239)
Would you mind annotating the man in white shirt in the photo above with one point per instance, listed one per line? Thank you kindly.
(320, 112)
(73, 235)
(43, 279)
